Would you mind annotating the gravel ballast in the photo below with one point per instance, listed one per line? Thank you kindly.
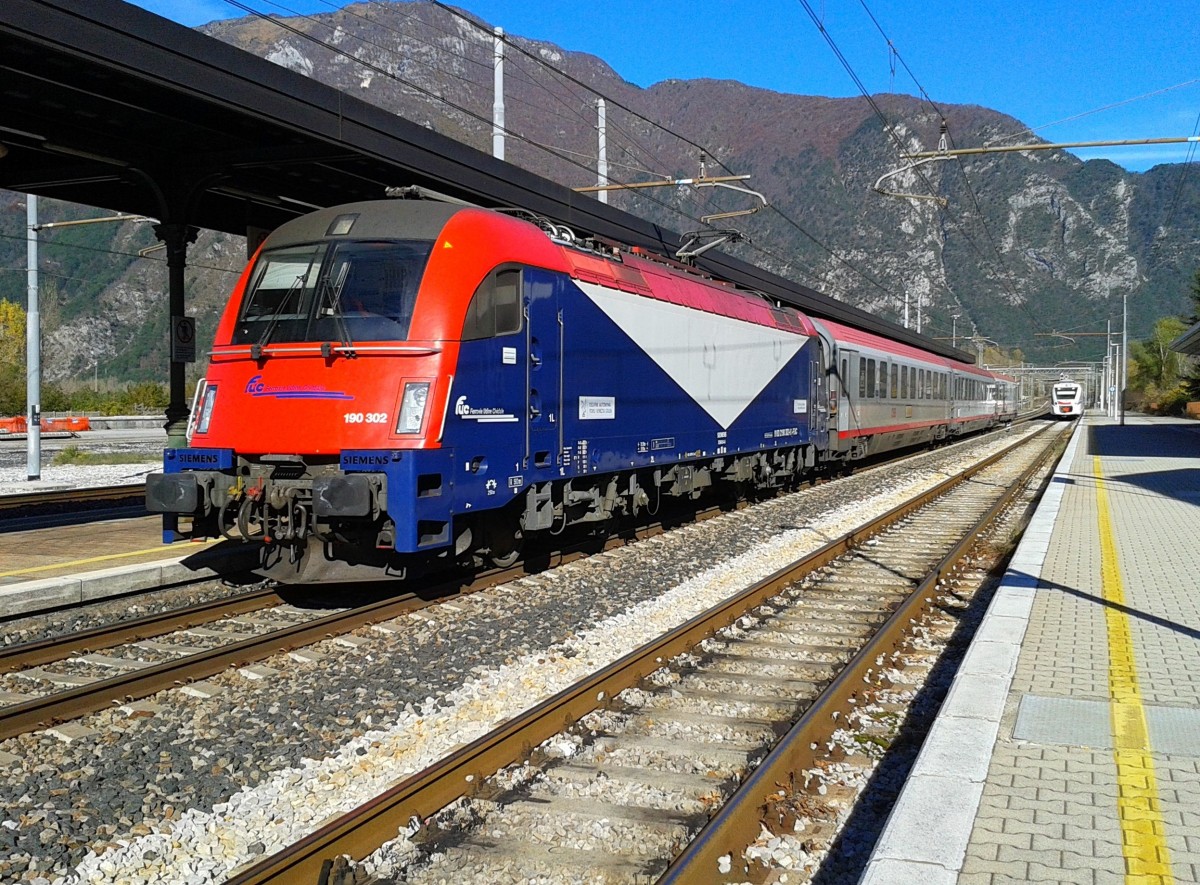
(205, 785)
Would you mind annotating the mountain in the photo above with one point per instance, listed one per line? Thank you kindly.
(1022, 244)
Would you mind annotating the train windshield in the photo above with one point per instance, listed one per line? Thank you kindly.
(1065, 391)
(346, 291)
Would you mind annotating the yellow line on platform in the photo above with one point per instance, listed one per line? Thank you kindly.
(1143, 832)
(108, 557)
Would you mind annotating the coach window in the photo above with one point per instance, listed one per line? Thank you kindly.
(870, 378)
(495, 308)
(862, 377)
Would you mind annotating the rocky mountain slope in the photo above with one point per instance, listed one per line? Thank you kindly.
(1024, 245)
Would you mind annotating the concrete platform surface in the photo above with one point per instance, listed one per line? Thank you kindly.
(1068, 749)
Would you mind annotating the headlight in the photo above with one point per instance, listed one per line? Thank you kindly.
(412, 407)
(206, 408)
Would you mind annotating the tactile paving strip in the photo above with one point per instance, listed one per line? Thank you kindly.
(1076, 722)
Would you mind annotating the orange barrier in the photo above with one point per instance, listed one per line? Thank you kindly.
(69, 424)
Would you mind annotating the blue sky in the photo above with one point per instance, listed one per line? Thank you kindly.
(1042, 61)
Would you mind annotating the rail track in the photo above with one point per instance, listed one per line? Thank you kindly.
(245, 629)
(37, 696)
(636, 795)
(71, 498)
(46, 509)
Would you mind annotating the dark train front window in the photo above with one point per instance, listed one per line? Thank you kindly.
(345, 291)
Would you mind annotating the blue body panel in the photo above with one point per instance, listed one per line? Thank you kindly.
(516, 409)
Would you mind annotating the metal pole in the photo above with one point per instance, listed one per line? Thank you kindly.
(498, 95)
(33, 349)
(906, 308)
(602, 155)
(954, 330)
(1124, 350)
(176, 237)
(1104, 394)
(919, 306)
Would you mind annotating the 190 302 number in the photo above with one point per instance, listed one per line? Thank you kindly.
(365, 417)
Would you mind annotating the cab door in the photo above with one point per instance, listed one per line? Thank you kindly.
(543, 375)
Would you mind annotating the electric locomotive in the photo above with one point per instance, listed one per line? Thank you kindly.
(399, 385)
(1067, 399)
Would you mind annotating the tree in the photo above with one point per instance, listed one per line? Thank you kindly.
(12, 334)
(1155, 369)
(12, 358)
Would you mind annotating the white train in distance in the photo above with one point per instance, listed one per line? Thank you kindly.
(1067, 399)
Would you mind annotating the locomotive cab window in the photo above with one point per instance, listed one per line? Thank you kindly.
(349, 291)
(495, 307)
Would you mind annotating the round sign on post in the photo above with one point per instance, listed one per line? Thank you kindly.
(183, 339)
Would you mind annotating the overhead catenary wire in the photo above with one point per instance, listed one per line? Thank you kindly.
(705, 151)
(554, 152)
(415, 86)
(1001, 262)
(479, 117)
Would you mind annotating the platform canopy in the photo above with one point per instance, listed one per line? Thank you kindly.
(1188, 342)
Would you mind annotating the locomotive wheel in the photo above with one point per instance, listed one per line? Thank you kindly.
(505, 550)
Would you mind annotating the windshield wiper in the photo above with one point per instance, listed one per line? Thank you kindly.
(335, 307)
(256, 349)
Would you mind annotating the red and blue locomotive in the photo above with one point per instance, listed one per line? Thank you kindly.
(404, 383)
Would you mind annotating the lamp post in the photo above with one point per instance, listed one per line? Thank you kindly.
(1124, 350)
(33, 349)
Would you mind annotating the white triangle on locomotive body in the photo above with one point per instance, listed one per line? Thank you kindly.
(721, 362)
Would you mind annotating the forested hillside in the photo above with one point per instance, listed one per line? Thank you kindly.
(1025, 244)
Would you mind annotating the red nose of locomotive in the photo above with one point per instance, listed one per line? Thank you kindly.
(308, 404)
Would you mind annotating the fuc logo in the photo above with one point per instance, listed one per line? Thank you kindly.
(255, 385)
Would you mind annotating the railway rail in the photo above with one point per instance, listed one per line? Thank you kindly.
(92, 682)
(56, 507)
(72, 498)
(819, 636)
(79, 693)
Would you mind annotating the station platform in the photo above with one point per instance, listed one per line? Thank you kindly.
(64, 565)
(1068, 749)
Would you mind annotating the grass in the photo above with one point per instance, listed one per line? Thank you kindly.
(76, 455)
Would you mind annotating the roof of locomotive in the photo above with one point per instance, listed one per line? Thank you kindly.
(426, 220)
(375, 219)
